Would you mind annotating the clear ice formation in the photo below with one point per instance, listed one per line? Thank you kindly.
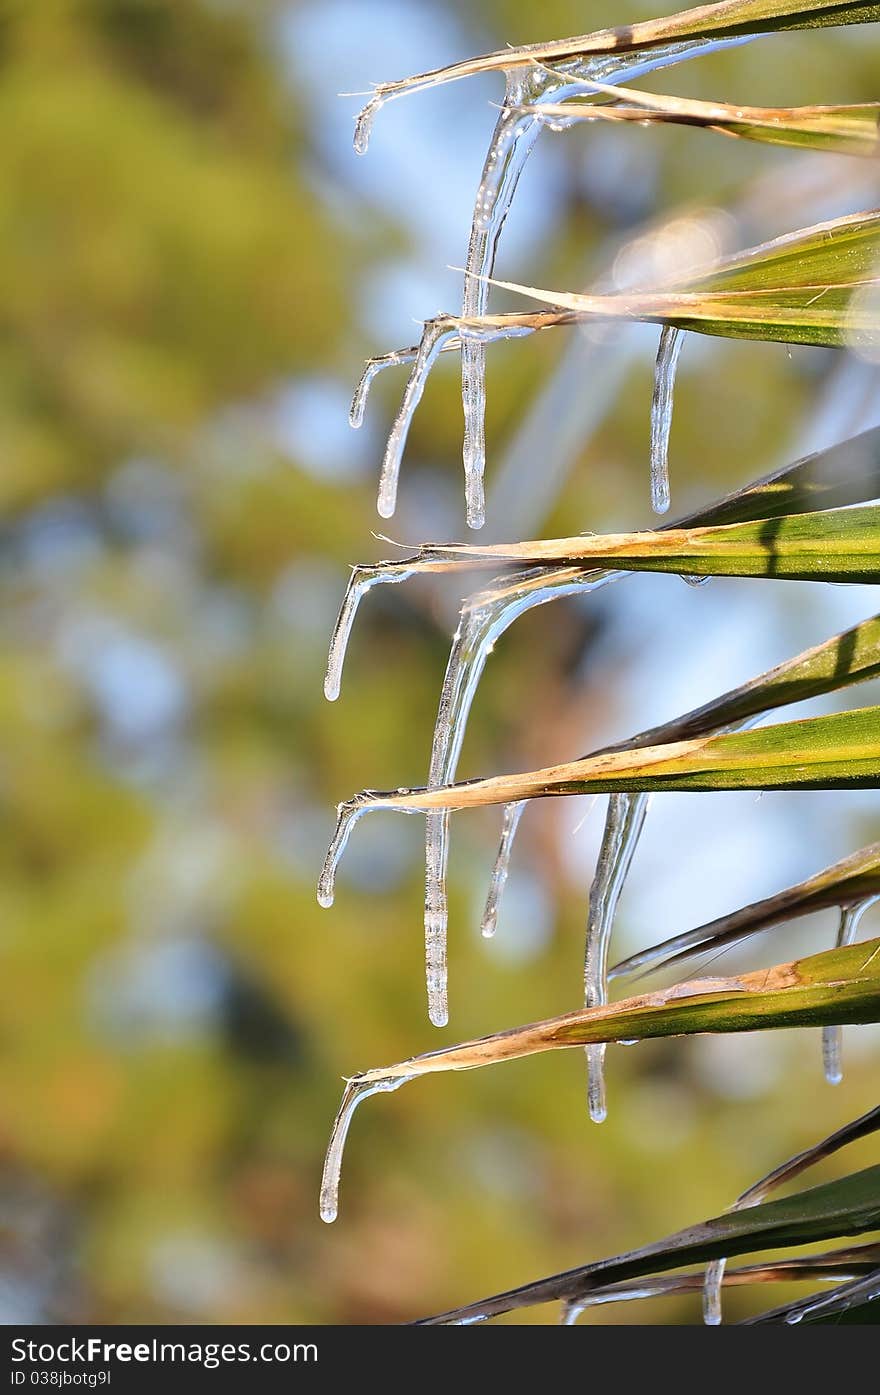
(509, 824)
(361, 582)
(347, 815)
(513, 138)
(355, 1092)
(671, 341)
(623, 828)
(832, 1037)
(482, 622)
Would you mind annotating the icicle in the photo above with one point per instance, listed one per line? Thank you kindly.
(511, 144)
(623, 827)
(372, 367)
(668, 351)
(363, 125)
(832, 1037)
(712, 1292)
(514, 136)
(347, 815)
(512, 140)
(436, 334)
(482, 622)
(361, 581)
(512, 815)
(436, 916)
(355, 1091)
(857, 1291)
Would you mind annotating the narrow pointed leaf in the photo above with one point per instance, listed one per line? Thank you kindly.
(850, 1206)
(856, 1301)
(845, 474)
(816, 286)
(731, 19)
(839, 751)
(840, 545)
(853, 880)
(840, 986)
(849, 130)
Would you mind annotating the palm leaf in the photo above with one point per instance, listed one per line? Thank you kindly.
(848, 130)
(838, 987)
(729, 20)
(815, 286)
(836, 751)
(852, 881)
(829, 545)
(849, 1206)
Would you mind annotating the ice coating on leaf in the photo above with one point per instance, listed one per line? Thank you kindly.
(832, 1037)
(372, 367)
(355, 1092)
(360, 583)
(623, 828)
(509, 825)
(668, 352)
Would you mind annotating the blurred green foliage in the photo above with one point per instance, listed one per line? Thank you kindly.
(175, 1011)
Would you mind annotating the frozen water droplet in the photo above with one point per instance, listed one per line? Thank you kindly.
(355, 1092)
(671, 340)
(832, 1037)
(510, 823)
(624, 822)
